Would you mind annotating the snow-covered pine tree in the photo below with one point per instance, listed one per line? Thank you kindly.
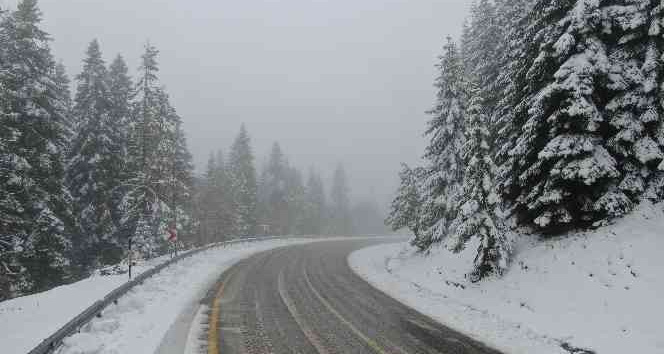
(95, 166)
(653, 69)
(139, 200)
(217, 217)
(510, 112)
(34, 203)
(481, 58)
(444, 172)
(406, 206)
(477, 216)
(7, 240)
(225, 215)
(153, 185)
(316, 207)
(633, 32)
(207, 202)
(181, 190)
(62, 81)
(120, 88)
(340, 221)
(478, 204)
(565, 171)
(243, 181)
(295, 196)
(274, 193)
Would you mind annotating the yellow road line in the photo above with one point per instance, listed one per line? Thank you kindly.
(213, 330)
(370, 342)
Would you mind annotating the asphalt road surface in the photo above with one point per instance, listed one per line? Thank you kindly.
(306, 299)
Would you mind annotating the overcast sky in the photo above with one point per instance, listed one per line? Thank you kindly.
(331, 80)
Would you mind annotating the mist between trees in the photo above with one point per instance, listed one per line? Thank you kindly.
(234, 199)
(81, 176)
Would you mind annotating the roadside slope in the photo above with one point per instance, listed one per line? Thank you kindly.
(600, 290)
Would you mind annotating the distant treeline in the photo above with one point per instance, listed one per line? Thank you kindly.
(232, 200)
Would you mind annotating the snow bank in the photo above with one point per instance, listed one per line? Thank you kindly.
(27, 320)
(599, 290)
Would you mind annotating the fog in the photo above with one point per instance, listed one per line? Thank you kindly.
(332, 81)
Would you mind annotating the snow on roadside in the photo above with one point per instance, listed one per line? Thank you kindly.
(30, 319)
(599, 290)
(139, 321)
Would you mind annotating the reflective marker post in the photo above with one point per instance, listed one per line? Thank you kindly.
(130, 260)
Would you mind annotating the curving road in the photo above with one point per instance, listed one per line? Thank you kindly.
(306, 299)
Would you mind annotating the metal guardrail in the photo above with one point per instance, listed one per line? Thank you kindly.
(51, 343)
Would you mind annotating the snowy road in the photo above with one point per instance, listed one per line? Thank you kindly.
(306, 299)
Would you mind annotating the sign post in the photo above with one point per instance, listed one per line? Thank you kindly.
(130, 260)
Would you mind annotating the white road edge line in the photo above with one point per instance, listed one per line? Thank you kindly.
(311, 336)
(197, 339)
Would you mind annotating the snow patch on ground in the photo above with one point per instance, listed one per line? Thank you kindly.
(599, 290)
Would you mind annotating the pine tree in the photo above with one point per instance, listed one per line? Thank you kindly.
(33, 199)
(481, 58)
(635, 48)
(208, 202)
(340, 219)
(510, 113)
(158, 162)
(62, 82)
(295, 196)
(95, 165)
(565, 172)
(274, 192)
(407, 205)
(182, 185)
(224, 195)
(218, 217)
(477, 215)
(120, 89)
(315, 205)
(243, 181)
(444, 173)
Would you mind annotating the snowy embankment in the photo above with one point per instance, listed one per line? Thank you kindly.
(32, 318)
(599, 290)
(142, 316)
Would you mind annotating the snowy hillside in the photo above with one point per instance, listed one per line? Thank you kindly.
(599, 290)
(160, 299)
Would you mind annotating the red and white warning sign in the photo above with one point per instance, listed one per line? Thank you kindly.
(172, 234)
